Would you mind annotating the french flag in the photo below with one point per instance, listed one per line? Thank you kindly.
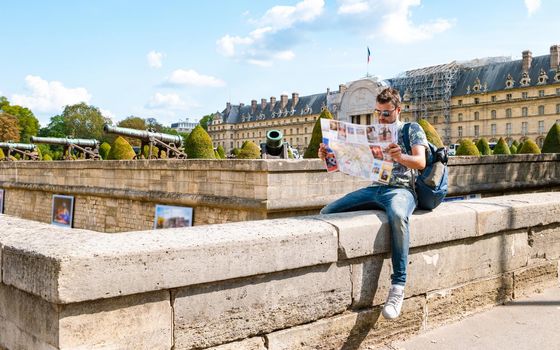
(368, 55)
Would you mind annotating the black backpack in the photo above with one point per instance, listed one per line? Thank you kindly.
(431, 183)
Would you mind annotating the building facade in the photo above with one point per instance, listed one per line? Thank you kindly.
(184, 125)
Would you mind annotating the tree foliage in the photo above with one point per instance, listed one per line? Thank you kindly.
(28, 124)
(83, 121)
(204, 121)
(121, 149)
(483, 147)
(467, 148)
(9, 128)
(529, 147)
(199, 144)
(552, 140)
(221, 152)
(431, 133)
(250, 150)
(316, 136)
(501, 147)
(513, 149)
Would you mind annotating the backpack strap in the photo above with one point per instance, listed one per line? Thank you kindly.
(406, 138)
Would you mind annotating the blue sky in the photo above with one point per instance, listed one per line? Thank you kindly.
(174, 60)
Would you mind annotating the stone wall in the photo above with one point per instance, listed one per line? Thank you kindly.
(313, 282)
(117, 196)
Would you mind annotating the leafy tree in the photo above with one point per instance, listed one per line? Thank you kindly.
(56, 128)
(9, 128)
(44, 150)
(467, 148)
(121, 149)
(431, 133)
(250, 150)
(552, 140)
(104, 150)
(153, 124)
(483, 147)
(133, 122)
(316, 136)
(83, 121)
(199, 144)
(529, 147)
(28, 124)
(204, 121)
(221, 152)
(501, 147)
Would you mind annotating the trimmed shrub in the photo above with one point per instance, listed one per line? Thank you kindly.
(250, 151)
(529, 147)
(221, 152)
(2, 155)
(104, 150)
(467, 148)
(121, 150)
(519, 147)
(552, 141)
(515, 143)
(47, 158)
(199, 144)
(431, 133)
(146, 151)
(316, 136)
(513, 149)
(501, 147)
(290, 154)
(235, 151)
(483, 147)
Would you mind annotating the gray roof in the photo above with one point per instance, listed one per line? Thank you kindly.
(306, 105)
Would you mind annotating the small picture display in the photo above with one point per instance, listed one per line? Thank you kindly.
(1, 201)
(62, 210)
(168, 216)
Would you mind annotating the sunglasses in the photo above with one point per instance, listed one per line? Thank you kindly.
(386, 113)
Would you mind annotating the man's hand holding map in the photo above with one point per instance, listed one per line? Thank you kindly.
(359, 150)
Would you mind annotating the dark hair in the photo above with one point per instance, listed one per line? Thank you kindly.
(389, 95)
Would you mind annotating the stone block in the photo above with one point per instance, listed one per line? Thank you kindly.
(247, 344)
(440, 266)
(452, 304)
(352, 330)
(212, 314)
(545, 241)
(535, 277)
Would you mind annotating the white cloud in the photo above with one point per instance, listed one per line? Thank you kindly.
(532, 6)
(49, 96)
(260, 46)
(191, 77)
(154, 59)
(349, 7)
(107, 113)
(165, 101)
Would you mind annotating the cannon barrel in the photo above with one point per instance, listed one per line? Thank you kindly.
(144, 135)
(65, 141)
(274, 142)
(19, 146)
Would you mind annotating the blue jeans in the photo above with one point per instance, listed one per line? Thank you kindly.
(398, 203)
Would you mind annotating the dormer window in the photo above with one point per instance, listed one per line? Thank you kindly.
(477, 86)
(543, 77)
(525, 80)
(509, 82)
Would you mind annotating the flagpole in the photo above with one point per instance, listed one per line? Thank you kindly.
(368, 58)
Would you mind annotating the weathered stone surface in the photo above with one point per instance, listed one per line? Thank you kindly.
(545, 241)
(455, 303)
(442, 266)
(65, 266)
(535, 277)
(247, 344)
(353, 330)
(208, 315)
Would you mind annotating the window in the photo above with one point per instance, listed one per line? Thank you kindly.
(460, 117)
(493, 114)
(541, 126)
(508, 128)
(541, 93)
(558, 91)
(524, 111)
(493, 129)
(460, 131)
(524, 126)
(306, 130)
(355, 119)
(476, 130)
(476, 100)
(524, 95)
(476, 115)
(508, 97)
(508, 113)
(558, 108)
(494, 98)
(541, 110)
(460, 102)
(368, 119)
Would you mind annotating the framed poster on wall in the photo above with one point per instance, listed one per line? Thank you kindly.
(168, 216)
(62, 210)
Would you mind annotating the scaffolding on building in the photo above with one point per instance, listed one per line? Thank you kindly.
(427, 91)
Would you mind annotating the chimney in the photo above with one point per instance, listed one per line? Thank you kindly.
(283, 101)
(527, 58)
(341, 88)
(554, 56)
(295, 99)
(263, 103)
(272, 102)
(228, 107)
(328, 91)
(253, 106)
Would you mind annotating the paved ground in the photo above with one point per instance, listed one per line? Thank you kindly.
(532, 323)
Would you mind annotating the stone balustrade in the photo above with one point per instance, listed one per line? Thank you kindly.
(309, 282)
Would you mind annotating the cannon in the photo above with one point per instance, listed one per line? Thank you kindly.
(86, 148)
(171, 143)
(274, 147)
(25, 149)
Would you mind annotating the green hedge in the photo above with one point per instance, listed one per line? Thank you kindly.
(467, 148)
(552, 141)
(501, 147)
(316, 136)
(121, 150)
(431, 133)
(199, 144)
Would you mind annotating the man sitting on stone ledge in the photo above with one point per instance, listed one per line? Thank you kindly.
(398, 198)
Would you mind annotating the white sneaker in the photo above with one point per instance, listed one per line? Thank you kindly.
(393, 305)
